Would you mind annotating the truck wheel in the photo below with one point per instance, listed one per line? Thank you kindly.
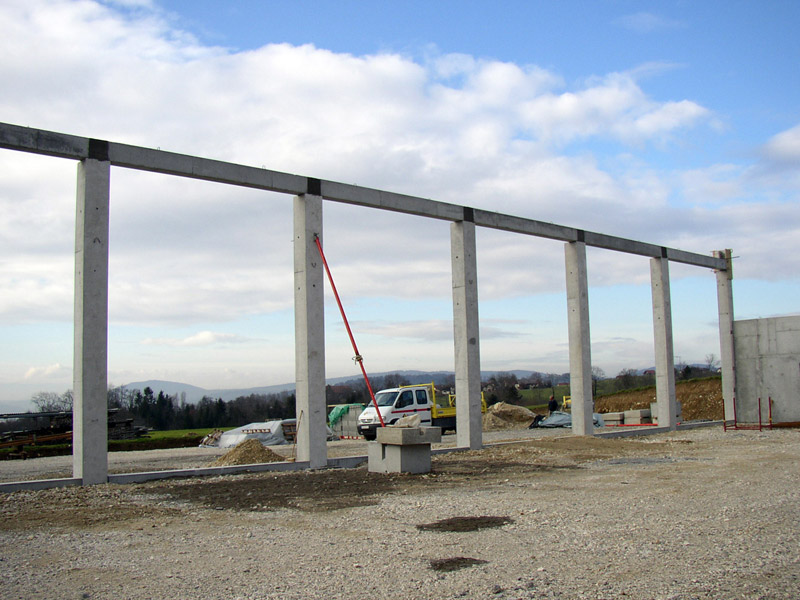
(370, 437)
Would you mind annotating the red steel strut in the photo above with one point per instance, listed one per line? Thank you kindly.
(358, 358)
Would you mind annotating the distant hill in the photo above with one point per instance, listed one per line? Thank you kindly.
(194, 393)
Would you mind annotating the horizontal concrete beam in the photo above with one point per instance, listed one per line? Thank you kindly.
(372, 198)
(206, 471)
(39, 484)
(493, 220)
(653, 429)
(49, 143)
(39, 141)
(183, 165)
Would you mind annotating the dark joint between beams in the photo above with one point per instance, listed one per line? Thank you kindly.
(98, 149)
(313, 186)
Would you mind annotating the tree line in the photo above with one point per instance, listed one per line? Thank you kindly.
(162, 411)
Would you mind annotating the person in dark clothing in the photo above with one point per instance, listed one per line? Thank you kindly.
(552, 406)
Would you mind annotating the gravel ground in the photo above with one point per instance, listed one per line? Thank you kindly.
(693, 514)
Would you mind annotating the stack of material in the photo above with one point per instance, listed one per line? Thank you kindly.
(638, 417)
(507, 416)
(614, 418)
(249, 452)
(343, 419)
(270, 433)
(212, 439)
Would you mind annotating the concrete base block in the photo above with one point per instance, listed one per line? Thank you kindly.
(390, 458)
(637, 417)
(406, 436)
(614, 418)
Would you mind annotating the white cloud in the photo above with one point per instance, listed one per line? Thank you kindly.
(201, 338)
(47, 372)
(495, 135)
(613, 107)
(183, 251)
(716, 184)
(437, 330)
(784, 148)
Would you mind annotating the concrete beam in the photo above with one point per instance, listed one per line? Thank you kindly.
(40, 141)
(182, 165)
(580, 349)
(662, 336)
(37, 141)
(309, 320)
(726, 341)
(512, 224)
(142, 476)
(37, 484)
(90, 371)
(466, 326)
(372, 198)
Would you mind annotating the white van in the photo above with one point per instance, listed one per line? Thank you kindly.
(394, 404)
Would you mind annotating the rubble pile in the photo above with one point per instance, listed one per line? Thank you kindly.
(507, 416)
(249, 452)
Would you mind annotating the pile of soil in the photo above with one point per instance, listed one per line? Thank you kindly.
(506, 416)
(249, 452)
(699, 398)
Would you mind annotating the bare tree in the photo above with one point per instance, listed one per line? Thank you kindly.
(52, 402)
(597, 375)
(712, 362)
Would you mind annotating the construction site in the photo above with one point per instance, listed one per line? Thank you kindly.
(644, 501)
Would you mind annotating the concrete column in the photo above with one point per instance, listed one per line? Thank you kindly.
(580, 349)
(662, 336)
(469, 428)
(726, 348)
(309, 327)
(90, 358)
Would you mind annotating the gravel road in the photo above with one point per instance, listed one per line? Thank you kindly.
(696, 514)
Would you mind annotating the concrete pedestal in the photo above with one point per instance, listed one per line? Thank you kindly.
(402, 450)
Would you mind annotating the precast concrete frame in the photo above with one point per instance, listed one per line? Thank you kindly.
(95, 159)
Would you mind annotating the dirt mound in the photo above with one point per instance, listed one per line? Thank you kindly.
(699, 398)
(249, 452)
(506, 416)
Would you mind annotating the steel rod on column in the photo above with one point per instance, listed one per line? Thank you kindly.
(469, 431)
(309, 319)
(90, 358)
(580, 350)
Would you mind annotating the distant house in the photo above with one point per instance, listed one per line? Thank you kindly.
(649, 372)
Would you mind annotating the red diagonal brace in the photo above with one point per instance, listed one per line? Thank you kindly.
(358, 358)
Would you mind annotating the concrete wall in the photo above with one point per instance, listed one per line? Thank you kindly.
(767, 362)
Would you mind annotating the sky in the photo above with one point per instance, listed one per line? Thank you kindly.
(675, 123)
